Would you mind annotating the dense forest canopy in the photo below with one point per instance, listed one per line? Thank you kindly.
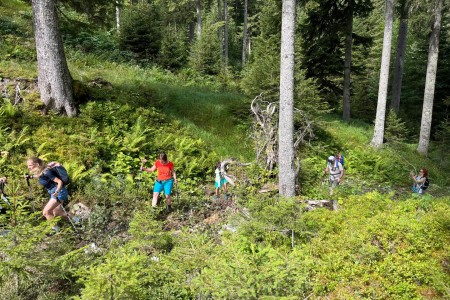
(266, 90)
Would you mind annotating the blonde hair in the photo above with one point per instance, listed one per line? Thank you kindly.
(41, 165)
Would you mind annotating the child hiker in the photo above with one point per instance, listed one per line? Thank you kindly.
(164, 180)
(220, 181)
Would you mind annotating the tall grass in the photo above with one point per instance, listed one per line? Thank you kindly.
(218, 118)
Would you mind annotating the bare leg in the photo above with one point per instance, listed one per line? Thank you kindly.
(155, 199)
(58, 211)
(52, 209)
(169, 199)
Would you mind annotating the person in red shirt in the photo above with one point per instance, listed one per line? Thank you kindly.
(164, 180)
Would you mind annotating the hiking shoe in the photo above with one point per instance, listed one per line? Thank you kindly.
(55, 228)
(168, 209)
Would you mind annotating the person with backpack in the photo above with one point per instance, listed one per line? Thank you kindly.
(421, 181)
(164, 180)
(48, 178)
(336, 170)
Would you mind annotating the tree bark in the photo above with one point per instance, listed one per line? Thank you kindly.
(225, 32)
(220, 29)
(348, 62)
(244, 34)
(199, 19)
(399, 64)
(54, 79)
(378, 134)
(286, 177)
(117, 4)
(430, 81)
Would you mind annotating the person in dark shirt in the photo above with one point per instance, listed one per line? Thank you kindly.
(54, 186)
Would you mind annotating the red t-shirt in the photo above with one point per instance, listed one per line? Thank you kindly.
(164, 171)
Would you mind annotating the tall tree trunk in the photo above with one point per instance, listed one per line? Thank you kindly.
(244, 34)
(54, 79)
(398, 64)
(286, 155)
(117, 4)
(430, 81)
(348, 62)
(220, 30)
(199, 19)
(378, 134)
(225, 32)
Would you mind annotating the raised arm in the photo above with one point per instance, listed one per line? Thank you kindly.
(152, 169)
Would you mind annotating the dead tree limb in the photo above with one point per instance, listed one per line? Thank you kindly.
(265, 132)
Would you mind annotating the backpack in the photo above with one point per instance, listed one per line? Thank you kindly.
(336, 165)
(59, 171)
(426, 184)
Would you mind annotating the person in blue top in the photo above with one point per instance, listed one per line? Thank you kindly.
(54, 186)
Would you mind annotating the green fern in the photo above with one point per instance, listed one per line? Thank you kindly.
(77, 171)
(9, 110)
(137, 138)
(17, 141)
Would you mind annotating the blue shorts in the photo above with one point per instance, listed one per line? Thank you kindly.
(222, 182)
(165, 185)
(63, 195)
(417, 189)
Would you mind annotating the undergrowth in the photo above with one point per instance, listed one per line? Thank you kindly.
(382, 243)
